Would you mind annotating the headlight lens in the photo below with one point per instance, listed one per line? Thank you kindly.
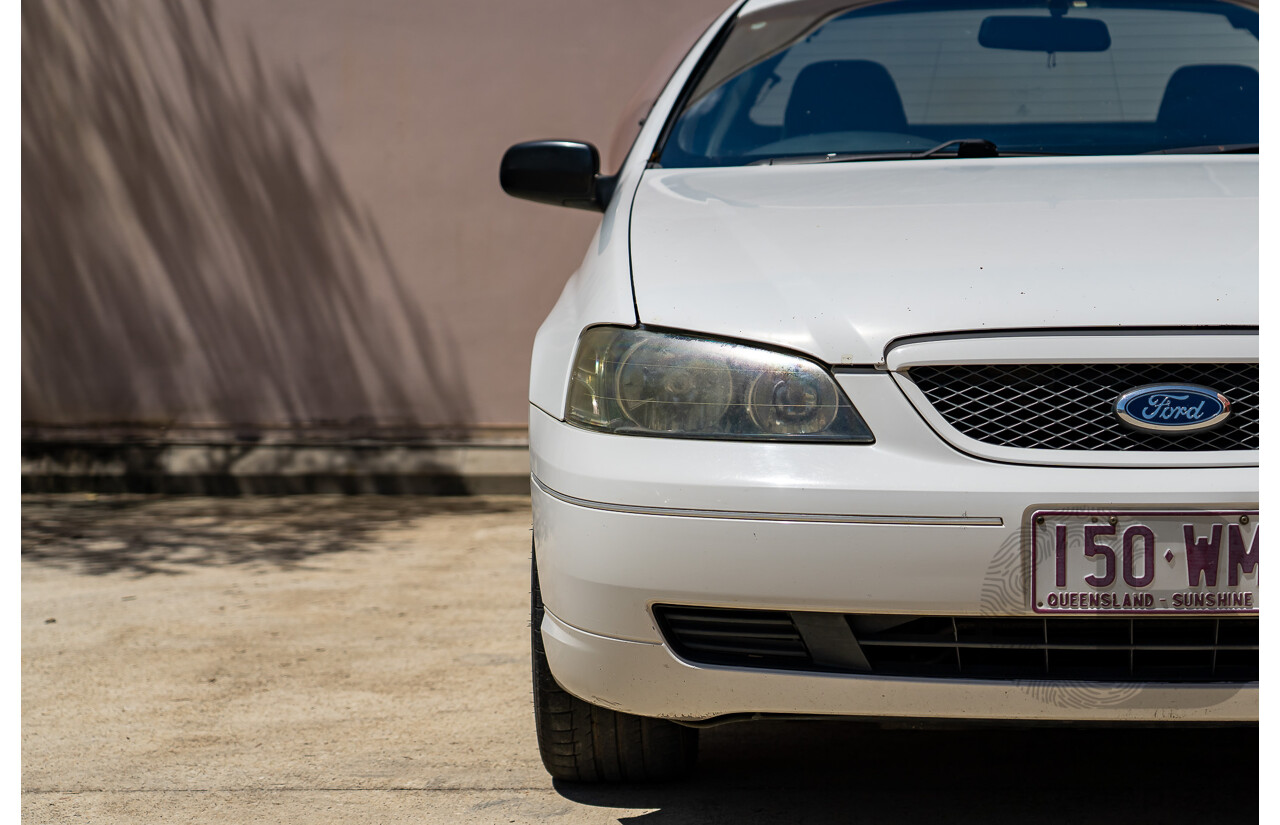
(650, 383)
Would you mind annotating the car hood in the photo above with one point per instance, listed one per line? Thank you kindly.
(838, 260)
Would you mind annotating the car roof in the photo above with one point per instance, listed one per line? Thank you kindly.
(753, 6)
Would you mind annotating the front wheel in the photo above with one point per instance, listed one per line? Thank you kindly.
(582, 742)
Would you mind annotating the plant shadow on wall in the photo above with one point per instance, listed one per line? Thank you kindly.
(189, 251)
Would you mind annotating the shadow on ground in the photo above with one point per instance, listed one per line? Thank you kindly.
(818, 772)
(151, 534)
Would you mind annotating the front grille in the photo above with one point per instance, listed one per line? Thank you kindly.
(1088, 648)
(754, 638)
(1071, 406)
(1148, 649)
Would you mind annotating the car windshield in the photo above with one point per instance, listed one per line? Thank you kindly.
(845, 81)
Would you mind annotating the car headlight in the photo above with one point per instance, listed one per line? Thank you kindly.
(639, 382)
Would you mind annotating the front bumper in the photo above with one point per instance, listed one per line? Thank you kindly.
(905, 526)
(647, 679)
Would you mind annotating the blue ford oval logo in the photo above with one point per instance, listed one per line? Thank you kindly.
(1172, 408)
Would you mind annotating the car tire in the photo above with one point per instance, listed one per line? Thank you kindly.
(582, 742)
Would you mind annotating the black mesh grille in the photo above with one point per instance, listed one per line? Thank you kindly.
(1088, 648)
(1070, 406)
(752, 638)
(1154, 649)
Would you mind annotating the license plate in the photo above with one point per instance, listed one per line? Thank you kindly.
(1145, 562)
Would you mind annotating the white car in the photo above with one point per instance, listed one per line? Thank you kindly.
(912, 373)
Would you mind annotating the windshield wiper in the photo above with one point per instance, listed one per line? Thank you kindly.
(965, 148)
(979, 148)
(1209, 149)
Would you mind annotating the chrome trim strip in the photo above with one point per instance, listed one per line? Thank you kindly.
(1053, 332)
(1119, 348)
(742, 515)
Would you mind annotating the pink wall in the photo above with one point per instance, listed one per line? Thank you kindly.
(285, 213)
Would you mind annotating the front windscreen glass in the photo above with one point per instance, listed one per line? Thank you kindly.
(813, 80)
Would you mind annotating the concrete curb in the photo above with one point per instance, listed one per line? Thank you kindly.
(223, 464)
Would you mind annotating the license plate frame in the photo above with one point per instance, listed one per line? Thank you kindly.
(1071, 586)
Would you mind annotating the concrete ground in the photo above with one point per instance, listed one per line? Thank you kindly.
(364, 659)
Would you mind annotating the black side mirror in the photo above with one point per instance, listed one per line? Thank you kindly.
(558, 172)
